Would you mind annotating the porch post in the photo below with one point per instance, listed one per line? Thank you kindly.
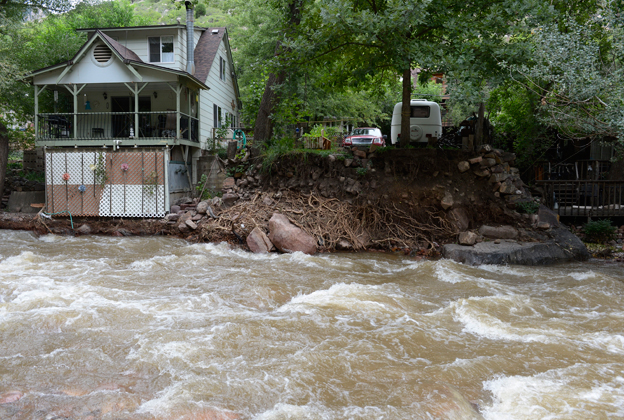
(36, 112)
(136, 90)
(75, 111)
(178, 90)
(75, 93)
(136, 113)
(190, 115)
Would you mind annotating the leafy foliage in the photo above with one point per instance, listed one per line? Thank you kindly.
(576, 71)
(528, 207)
(599, 231)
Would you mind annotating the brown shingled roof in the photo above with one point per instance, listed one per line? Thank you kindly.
(125, 53)
(205, 52)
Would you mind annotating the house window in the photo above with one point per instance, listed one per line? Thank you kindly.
(222, 69)
(160, 49)
(217, 112)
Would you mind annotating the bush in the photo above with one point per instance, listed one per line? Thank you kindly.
(528, 207)
(200, 10)
(599, 231)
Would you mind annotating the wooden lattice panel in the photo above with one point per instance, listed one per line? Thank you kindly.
(100, 183)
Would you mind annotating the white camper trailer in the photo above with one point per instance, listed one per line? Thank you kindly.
(425, 121)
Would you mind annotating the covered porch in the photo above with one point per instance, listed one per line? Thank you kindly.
(117, 114)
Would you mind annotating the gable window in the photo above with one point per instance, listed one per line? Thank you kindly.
(222, 69)
(160, 49)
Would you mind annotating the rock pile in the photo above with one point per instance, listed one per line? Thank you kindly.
(16, 182)
(497, 166)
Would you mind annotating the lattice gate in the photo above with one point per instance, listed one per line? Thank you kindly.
(92, 182)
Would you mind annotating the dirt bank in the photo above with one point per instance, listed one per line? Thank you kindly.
(414, 200)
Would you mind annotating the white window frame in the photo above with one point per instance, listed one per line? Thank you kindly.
(160, 53)
(222, 69)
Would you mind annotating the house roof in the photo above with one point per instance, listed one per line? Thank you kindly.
(125, 53)
(206, 51)
(135, 28)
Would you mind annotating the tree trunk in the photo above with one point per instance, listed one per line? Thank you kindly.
(263, 128)
(4, 155)
(406, 108)
(479, 127)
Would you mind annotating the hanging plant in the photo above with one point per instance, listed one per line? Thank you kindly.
(99, 170)
(150, 183)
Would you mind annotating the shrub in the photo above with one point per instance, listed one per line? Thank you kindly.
(599, 231)
(528, 207)
(200, 10)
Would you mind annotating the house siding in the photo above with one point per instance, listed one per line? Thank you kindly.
(222, 93)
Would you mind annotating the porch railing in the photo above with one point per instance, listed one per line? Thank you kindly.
(584, 197)
(116, 125)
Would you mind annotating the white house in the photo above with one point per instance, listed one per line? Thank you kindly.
(124, 121)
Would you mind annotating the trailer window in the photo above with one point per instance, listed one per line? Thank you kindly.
(420, 111)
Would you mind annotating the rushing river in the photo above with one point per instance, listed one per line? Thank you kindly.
(156, 328)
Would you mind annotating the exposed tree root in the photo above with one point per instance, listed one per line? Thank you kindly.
(332, 222)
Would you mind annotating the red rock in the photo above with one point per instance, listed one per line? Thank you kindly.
(258, 242)
(289, 238)
(10, 396)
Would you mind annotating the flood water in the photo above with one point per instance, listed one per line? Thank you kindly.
(156, 328)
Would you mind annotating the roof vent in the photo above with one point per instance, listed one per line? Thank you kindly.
(102, 53)
(215, 31)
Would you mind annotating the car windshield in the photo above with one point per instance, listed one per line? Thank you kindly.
(366, 132)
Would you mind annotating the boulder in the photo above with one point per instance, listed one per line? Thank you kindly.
(191, 224)
(229, 199)
(544, 214)
(461, 218)
(202, 207)
(359, 153)
(187, 215)
(499, 177)
(498, 232)
(84, 229)
(508, 188)
(258, 242)
(447, 201)
(173, 216)
(478, 159)
(229, 183)
(289, 238)
(481, 173)
(183, 227)
(463, 166)
(487, 162)
(175, 209)
(467, 238)
(561, 246)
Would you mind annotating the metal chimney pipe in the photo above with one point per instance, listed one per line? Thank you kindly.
(190, 38)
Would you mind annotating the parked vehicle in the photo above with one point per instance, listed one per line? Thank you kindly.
(425, 121)
(365, 136)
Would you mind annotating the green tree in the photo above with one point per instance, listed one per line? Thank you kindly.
(576, 72)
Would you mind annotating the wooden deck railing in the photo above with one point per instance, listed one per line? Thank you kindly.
(584, 197)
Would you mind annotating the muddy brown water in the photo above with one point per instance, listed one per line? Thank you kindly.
(156, 328)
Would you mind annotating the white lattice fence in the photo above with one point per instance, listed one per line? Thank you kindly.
(98, 183)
